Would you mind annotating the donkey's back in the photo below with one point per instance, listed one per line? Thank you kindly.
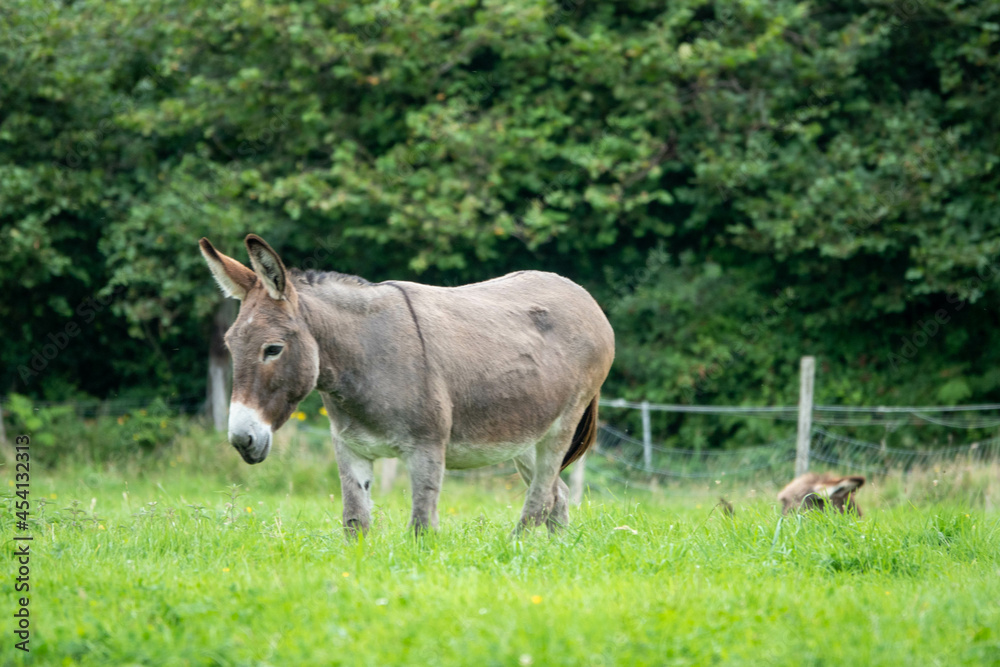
(528, 311)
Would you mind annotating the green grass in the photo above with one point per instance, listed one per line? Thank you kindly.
(161, 566)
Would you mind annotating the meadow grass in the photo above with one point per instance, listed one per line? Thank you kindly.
(167, 563)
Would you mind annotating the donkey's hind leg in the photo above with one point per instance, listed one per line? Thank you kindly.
(525, 464)
(559, 514)
(547, 497)
(426, 478)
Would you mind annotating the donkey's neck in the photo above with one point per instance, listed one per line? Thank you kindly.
(335, 313)
(337, 297)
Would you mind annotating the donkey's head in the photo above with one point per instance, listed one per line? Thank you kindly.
(275, 358)
(813, 490)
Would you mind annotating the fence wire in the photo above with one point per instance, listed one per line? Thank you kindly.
(627, 452)
(620, 458)
(853, 454)
(625, 455)
(839, 415)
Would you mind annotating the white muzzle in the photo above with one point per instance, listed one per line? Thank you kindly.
(248, 433)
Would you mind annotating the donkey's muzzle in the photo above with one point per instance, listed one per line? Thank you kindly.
(248, 434)
(252, 451)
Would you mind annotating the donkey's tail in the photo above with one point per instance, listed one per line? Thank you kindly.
(586, 433)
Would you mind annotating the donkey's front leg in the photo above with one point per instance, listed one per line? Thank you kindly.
(356, 476)
(426, 465)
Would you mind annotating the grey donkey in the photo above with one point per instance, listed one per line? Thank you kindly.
(442, 377)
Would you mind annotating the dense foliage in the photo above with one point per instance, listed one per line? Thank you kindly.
(738, 183)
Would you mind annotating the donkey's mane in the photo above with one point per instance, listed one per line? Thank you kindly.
(311, 277)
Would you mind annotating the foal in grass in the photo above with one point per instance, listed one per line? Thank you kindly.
(442, 377)
(813, 490)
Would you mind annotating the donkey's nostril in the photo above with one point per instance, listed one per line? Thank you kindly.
(240, 440)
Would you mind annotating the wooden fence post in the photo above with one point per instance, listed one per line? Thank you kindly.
(576, 480)
(388, 474)
(647, 437)
(219, 365)
(807, 376)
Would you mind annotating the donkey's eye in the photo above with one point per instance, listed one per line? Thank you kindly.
(271, 351)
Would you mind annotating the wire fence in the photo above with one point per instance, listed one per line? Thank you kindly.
(626, 451)
(620, 457)
(642, 461)
(854, 454)
(838, 415)
(827, 450)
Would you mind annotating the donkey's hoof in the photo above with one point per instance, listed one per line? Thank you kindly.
(421, 528)
(355, 527)
(556, 525)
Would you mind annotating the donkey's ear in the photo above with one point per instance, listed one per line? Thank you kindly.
(234, 279)
(846, 485)
(267, 265)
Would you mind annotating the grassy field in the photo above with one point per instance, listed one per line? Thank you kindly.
(166, 563)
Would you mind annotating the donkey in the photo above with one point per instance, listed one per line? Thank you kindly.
(814, 490)
(442, 377)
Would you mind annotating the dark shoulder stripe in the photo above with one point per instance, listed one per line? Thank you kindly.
(413, 314)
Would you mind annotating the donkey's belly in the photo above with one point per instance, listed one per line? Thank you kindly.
(459, 456)
(369, 446)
